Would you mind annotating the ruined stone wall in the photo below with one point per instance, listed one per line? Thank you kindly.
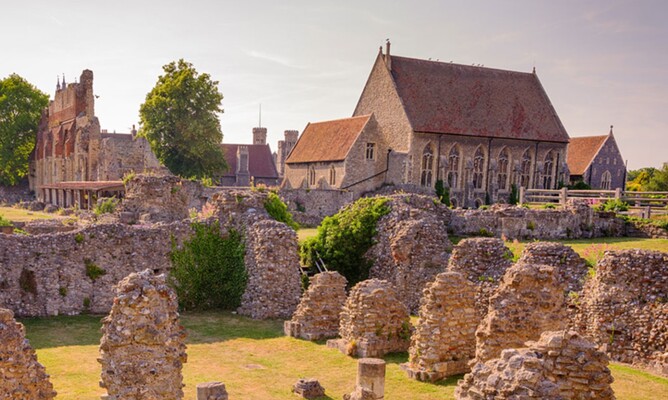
(143, 347)
(310, 207)
(570, 267)
(560, 365)
(317, 316)
(53, 274)
(373, 321)
(624, 307)
(412, 245)
(444, 339)
(482, 261)
(528, 301)
(576, 220)
(15, 194)
(21, 376)
(121, 154)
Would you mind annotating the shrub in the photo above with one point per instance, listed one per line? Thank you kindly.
(208, 271)
(128, 177)
(92, 270)
(612, 205)
(531, 225)
(79, 238)
(106, 206)
(345, 237)
(485, 233)
(279, 211)
(514, 195)
(549, 206)
(442, 193)
(207, 181)
(4, 221)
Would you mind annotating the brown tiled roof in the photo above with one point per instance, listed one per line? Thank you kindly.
(451, 98)
(260, 160)
(327, 140)
(581, 152)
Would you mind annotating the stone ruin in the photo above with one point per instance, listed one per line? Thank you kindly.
(308, 388)
(21, 376)
(143, 348)
(370, 383)
(571, 268)
(561, 365)
(529, 301)
(412, 245)
(624, 307)
(373, 321)
(444, 339)
(317, 316)
(482, 261)
(211, 391)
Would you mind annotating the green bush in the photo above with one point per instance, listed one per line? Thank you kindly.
(442, 193)
(345, 237)
(128, 177)
(92, 270)
(579, 185)
(514, 195)
(612, 205)
(549, 206)
(4, 221)
(279, 211)
(106, 206)
(208, 272)
(79, 238)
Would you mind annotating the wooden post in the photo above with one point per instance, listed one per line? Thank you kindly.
(211, 391)
(371, 376)
(618, 193)
(563, 196)
(522, 195)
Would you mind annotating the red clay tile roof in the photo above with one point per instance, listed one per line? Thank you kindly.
(327, 140)
(581, 152)
(443, 97)
(260, 160)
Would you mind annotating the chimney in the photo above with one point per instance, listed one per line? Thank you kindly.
(388, 59)
(133, 131)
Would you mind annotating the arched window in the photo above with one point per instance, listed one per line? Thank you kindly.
(427, 166)
(606, 180)
(332, 176)
(525, 169)
(548, 172)
(503, 165)
(453, 168)
(478, 168)
(311, 176)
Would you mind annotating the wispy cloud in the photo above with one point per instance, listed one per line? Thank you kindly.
(57, 21)
(274, 58)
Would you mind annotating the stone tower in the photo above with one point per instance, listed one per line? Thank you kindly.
(259, 135)
(284, 148)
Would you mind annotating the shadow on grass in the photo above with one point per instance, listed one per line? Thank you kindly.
(202, 327)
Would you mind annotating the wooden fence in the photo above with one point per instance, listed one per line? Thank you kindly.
(645, 203)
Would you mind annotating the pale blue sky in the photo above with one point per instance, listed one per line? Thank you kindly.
(601, 62)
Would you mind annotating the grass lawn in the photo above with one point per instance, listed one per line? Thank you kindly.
(255, 361)
(306, 233)
(20, 215)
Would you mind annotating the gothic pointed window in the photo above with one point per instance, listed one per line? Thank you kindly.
(525, 169)
(332, 176)
(311, 176)
(503, 165)
(427, 166)
(548, 172)
(606, 180)
(478, 168)
(453, 168)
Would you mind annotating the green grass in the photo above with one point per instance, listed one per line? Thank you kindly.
(255, 361)
(20, 215)
(305, 233)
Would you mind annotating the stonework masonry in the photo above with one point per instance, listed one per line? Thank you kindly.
(317, 316)
(443, 342)
(21, 376)
(373, 321)
(528, 301)
(412, 245)
(143, 348)
(560, 365)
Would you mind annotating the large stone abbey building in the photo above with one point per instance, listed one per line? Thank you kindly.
(74, 161)
(479, 130)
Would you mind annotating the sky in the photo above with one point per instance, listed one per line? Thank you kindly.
(601, 62)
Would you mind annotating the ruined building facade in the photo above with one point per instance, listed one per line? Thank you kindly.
(70, 147)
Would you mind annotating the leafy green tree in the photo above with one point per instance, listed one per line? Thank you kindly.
(21, 106)
(180, 121)
(659, 180)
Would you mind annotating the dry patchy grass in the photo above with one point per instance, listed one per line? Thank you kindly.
(255, 361)
(20, 215)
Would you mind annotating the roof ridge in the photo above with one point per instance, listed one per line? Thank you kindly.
(463, 65)
(342, 119)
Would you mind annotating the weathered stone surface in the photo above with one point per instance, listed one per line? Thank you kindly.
(211, 391)
(373, 321)
(570, 267)
(21, 376)
(308, 388)
(624, 307)
(370, 383)
(143, 348)
(444, 339)
(412, 245)
(317, 316)
(482, 261)
(561, 365)
(529, 301)
(165, 198)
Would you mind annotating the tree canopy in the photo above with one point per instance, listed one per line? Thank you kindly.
(21, 106)
(649, 179)
(180, 121)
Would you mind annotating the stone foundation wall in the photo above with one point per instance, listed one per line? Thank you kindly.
(482, 261)
(561, 365)
(21, 376)
(444, 339)
(624, 307)
(317, 316)
(529, 301)
(15, 194)
(310, 206)
(143, 347)
(412, 245)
